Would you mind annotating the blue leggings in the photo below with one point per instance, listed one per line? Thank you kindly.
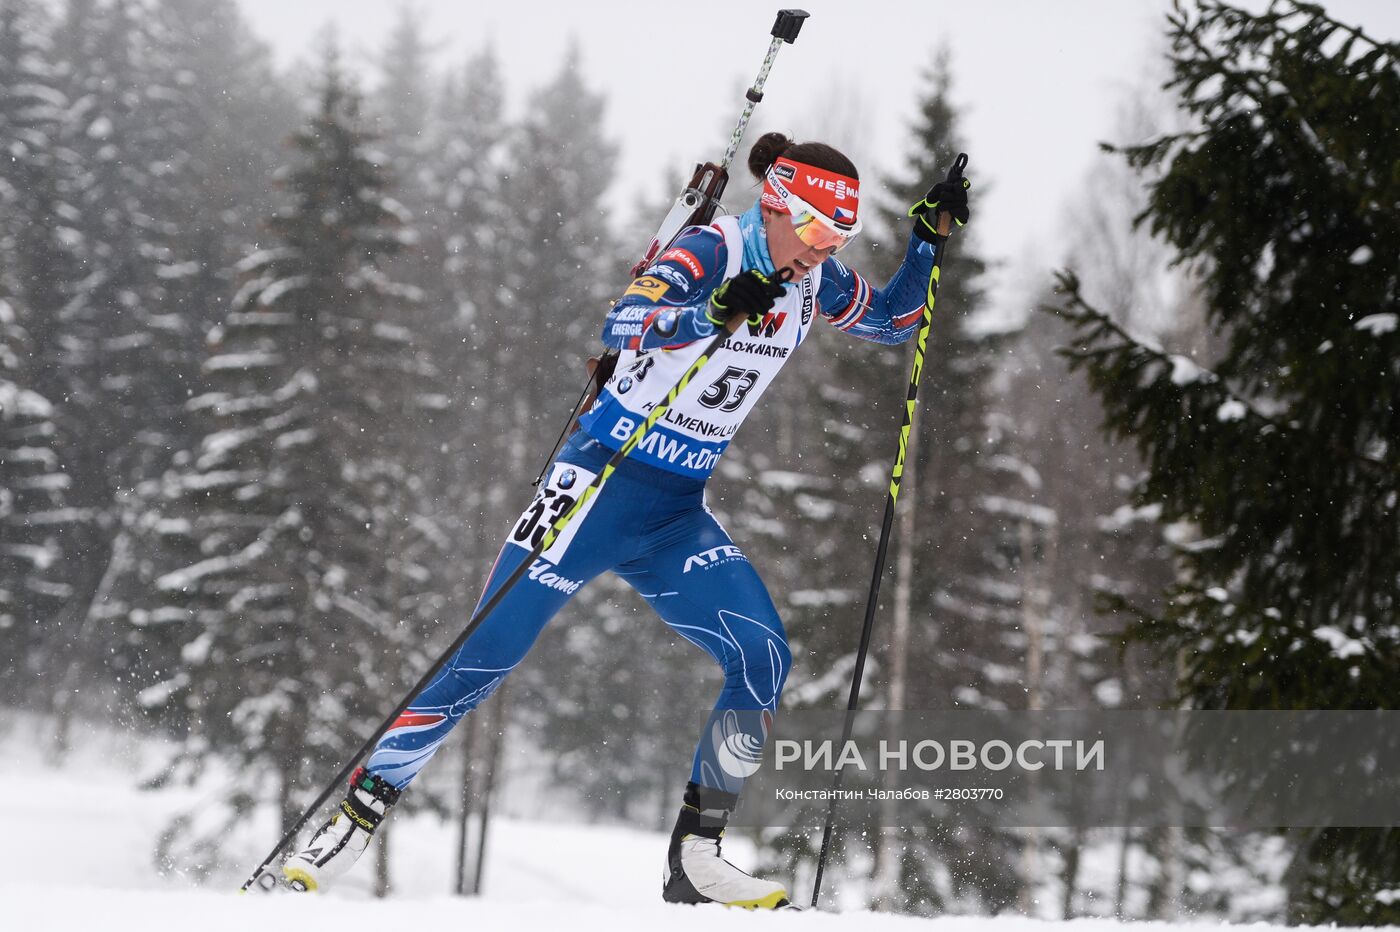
(652, 528)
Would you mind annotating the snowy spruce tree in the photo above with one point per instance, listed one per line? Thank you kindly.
(159, 170)
(31, 109)
(223, 147)
(404, 108)
(152, 169)
(401, 115)
(464, 242)
(469, 169)
(119, 348)
(1277, 461)
(33, 484)
(562, 268)
(288, 552)
(32, 518)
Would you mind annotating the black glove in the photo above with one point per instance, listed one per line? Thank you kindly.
(749, 294)
(945, 197)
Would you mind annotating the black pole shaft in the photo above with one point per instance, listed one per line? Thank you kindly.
(853, 700)
(882, 549)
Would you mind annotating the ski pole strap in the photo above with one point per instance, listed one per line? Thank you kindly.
(785, 29)
(959, 166)
(944, 218)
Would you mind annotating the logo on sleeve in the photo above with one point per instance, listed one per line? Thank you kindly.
(666, 323)
(672, 275)
(647, 287)
(685, 259)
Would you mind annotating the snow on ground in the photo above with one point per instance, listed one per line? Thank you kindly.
(78, 856)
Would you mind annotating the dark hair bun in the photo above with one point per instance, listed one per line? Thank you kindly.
(766, 151)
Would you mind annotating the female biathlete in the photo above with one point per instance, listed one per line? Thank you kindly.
(650, 524)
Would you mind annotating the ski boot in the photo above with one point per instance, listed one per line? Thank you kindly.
(341, 841)
(696, 873)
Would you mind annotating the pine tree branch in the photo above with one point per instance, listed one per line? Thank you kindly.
(1246, 84)
(1085, 314)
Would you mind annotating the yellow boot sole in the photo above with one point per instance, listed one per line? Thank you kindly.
(771, 901)
(299, 879)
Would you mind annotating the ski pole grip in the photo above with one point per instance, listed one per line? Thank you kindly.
(945, 219)
(788, 25)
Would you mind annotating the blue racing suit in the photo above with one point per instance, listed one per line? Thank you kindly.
(649, 524)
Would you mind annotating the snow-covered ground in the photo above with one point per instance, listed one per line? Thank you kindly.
(78, 856)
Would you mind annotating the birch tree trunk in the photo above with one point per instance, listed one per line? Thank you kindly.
(381, 860)
(495, 738)
(464, 809)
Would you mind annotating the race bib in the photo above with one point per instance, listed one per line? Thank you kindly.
(553, 500)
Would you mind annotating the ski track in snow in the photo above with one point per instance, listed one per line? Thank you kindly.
(80, 838)
(62, 908)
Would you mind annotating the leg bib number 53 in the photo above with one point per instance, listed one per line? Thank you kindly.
(554, 498)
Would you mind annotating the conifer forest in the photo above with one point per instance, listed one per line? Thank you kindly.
(282, 352)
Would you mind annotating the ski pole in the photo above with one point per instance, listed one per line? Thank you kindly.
(696, 206)
(483, 611)
(785, 29)
(699, 201)
(896, 476)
